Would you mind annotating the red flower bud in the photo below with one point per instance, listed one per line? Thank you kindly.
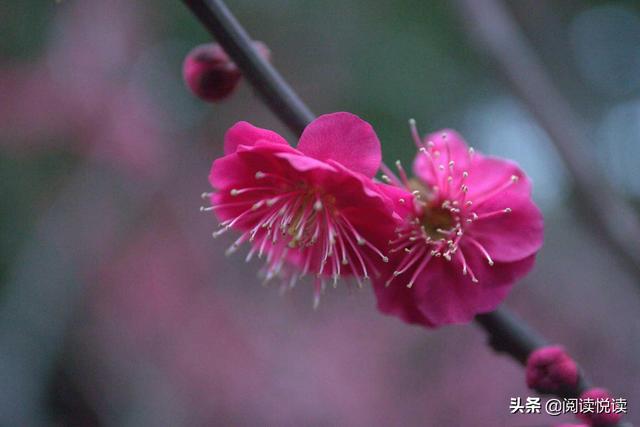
(551, 370)
(211, 74)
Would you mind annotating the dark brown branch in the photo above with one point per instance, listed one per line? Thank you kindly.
(507, 334)
(493, 30)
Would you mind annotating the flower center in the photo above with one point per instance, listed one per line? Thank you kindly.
(278, 216)
(434, 217)
(309, 211)
(443, 216)
(437, 222)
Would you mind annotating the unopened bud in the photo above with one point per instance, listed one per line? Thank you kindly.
(209, 72)
(551, 370)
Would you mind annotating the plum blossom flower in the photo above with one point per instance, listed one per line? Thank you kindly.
(314, 208)
(470, 231)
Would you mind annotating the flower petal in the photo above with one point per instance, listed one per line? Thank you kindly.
(489, 173)
(244, 133)
(452, 298)
(399, 301)
(443, 295)
(399, 198)
(345, 138)
(240, 166)
(303, 163)
(228, 171)
(509, 236)
(448, 146)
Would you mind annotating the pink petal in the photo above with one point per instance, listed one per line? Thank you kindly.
(243, 133)
(446, 296)
(443, 295)
(366, 187)
(509, 236)
(345, 138)
(488, 173)
(400, 199)
(399, 301)
(303, 163)
(450, 146)
(228, 171)
(240, 166)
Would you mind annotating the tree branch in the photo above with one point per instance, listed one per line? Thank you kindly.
(507, 334)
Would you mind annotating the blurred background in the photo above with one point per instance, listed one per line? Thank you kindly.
(118, 309)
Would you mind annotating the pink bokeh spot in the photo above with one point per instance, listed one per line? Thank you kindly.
(77, 94)
(470, 232)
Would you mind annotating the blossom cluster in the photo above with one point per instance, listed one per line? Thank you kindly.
(438, 248)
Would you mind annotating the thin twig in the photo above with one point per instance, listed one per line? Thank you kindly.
(493, 30)
(510, 335)
(269, 84)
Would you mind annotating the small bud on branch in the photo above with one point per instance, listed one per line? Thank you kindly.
(210, 74)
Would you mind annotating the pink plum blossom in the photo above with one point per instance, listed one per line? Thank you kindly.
(470, 231)
(314, 207)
